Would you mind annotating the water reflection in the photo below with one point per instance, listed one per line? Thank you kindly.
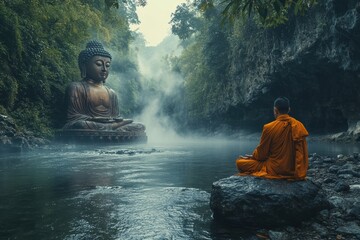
(69, 192)
(149, 213)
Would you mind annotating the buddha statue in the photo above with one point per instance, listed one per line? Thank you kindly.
(91, 105)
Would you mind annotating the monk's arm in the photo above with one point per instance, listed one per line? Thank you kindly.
(261, 152)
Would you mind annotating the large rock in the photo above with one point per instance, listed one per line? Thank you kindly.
(252, 201)
(312, 59)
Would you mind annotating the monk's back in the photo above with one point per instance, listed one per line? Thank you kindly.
(280, 160)
(282, 151)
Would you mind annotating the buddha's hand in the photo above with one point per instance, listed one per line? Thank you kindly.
(102, 119)
(118, 119)
(128, 120)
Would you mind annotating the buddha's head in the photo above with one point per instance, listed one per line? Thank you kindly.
(94, 62)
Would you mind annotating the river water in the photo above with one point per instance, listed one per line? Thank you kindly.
(149, 191)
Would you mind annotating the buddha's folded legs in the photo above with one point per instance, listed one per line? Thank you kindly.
(126, 125)
(83, 124)
(132, 127)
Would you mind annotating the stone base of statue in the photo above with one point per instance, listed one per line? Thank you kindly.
(99, 136)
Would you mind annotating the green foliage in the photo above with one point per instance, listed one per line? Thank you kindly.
(8, 90)
(184, 21)
(269, 13)
(211, 61)
(127, 85)
(39, 44)
(204, 66)
(34, 117)
(3, 110)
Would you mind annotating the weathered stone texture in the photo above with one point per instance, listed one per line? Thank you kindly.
(252, 201)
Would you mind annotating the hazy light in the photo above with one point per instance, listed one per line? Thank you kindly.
(155, 18)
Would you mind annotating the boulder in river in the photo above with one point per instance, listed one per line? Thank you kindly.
(253, 201)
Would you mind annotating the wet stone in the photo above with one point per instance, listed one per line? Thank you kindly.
(345, 176)
(252, 201)
(347, 166)
(129, 151)
(349, 171)
(336, 214)
(355, 187)
(329, 180)
(334, 169)
(328, 160)
(311, 172)
(351, 228)
(321, 230)
(338, 202)
(324, 214)
(342, 186)
(317, 162)
(349, 159)
(274, 235)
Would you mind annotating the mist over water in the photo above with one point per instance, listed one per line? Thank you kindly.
(157, 190)
(146, 191)
(111, 192)
(159, 82)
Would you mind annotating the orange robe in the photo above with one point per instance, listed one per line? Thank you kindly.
(282, 152)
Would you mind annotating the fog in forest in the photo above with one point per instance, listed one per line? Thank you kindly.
(158, 81)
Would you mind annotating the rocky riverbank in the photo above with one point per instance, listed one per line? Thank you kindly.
(339, 177)
(12, 139)
(339, 180)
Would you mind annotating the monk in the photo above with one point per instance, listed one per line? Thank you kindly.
(282, 152)
(90, 104)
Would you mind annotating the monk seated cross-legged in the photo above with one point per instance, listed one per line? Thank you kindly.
(282, 152)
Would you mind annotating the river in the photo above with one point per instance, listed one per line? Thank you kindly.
(148, 191)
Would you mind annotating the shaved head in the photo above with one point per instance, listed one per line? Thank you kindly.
(282, 104)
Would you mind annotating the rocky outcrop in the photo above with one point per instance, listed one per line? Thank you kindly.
(11, 139)
(338, 177)
(313, 59)
(252, 201)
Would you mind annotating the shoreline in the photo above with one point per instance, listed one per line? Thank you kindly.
(339, 179)
(13, 139)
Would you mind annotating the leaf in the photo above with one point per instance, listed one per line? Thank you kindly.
(282, 2)
(263, 12)
(248, 5)
(250, 8)
(205, 5)
(228, 7)
(297, 8)
(277, 6)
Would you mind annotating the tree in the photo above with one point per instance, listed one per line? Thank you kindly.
(270, 13)
(39, 44)
(184, 21)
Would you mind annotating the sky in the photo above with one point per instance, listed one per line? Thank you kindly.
(155, 18)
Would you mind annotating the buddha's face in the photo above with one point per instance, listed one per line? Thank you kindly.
(97, 68)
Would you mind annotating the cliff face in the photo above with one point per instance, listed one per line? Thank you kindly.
(314, 60)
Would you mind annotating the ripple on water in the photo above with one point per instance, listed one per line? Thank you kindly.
(148, 213)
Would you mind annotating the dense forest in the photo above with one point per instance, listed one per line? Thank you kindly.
(238, 55)
(39, 44)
